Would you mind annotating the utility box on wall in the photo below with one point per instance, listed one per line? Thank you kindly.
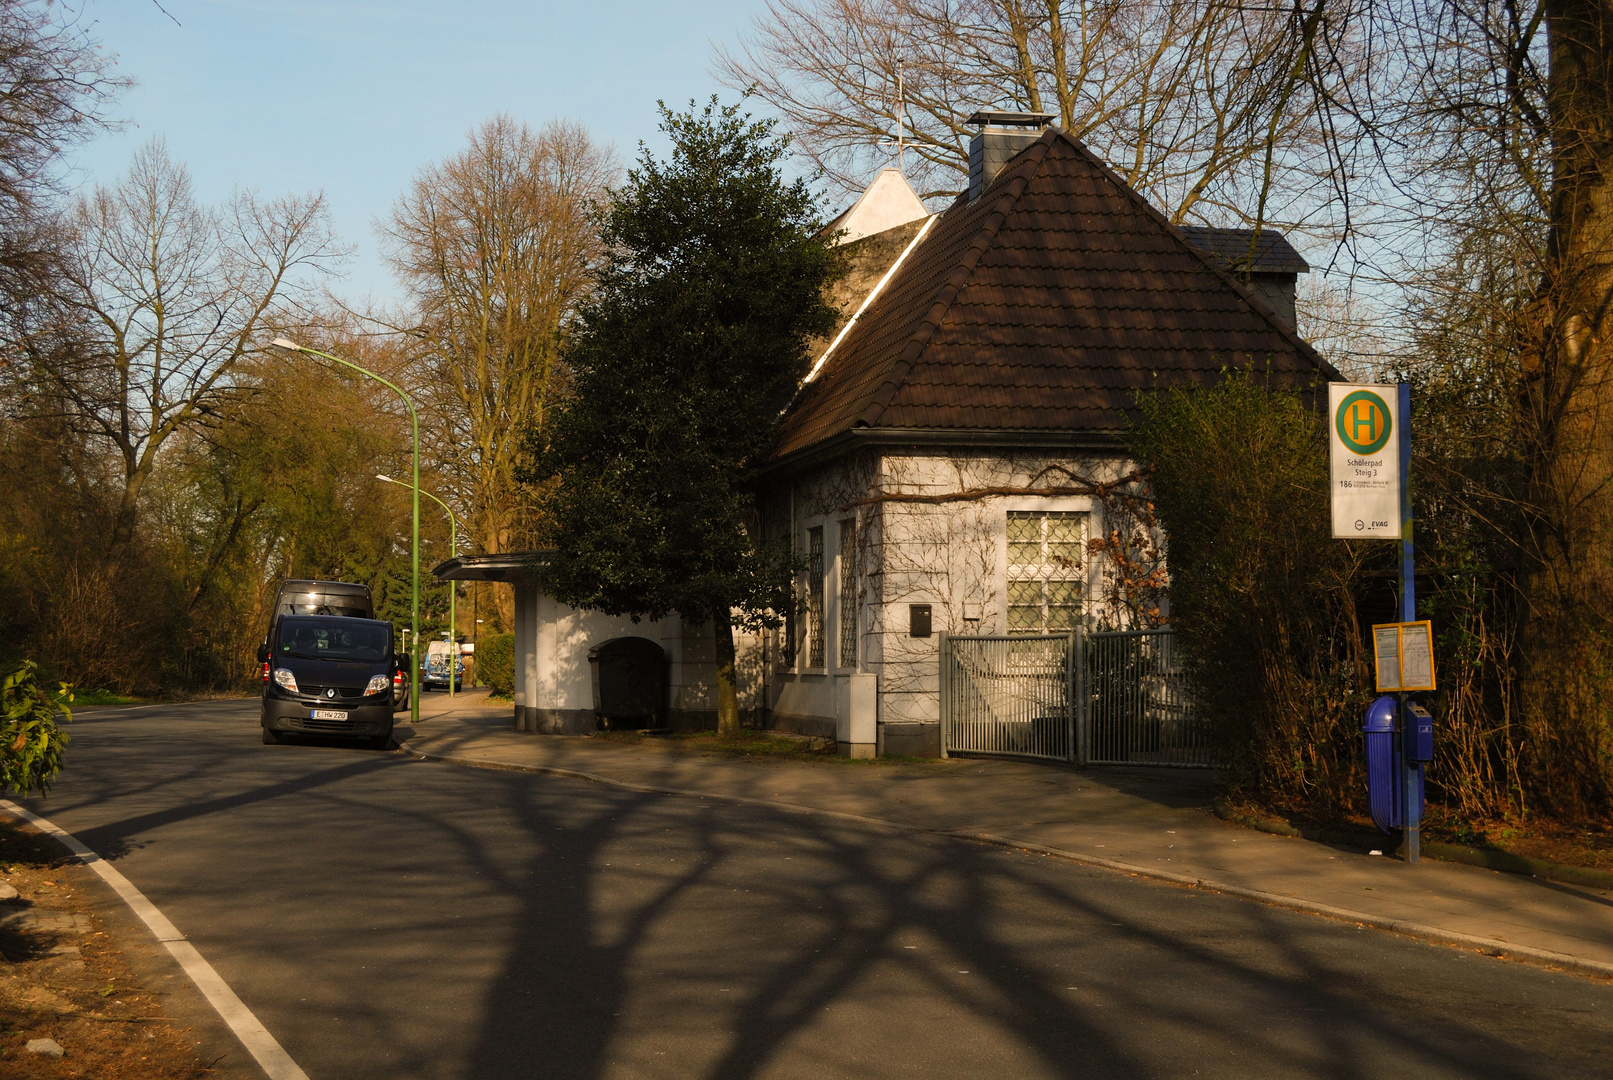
(856, 731)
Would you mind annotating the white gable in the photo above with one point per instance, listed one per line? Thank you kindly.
(888, 202)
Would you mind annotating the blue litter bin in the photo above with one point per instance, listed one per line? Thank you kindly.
(1386, 753)
(1383, 763)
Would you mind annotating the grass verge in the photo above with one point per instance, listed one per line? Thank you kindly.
(81, 698)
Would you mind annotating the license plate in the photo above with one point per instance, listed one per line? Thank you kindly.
(329, 714)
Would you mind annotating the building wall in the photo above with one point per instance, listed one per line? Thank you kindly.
(554, 684)
(948, 553)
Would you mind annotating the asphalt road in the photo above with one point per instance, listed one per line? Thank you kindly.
(391, 918)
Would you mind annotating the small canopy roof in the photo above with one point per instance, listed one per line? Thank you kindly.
(506, 566)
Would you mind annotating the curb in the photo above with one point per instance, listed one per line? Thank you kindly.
(1488, 946)
(1488, 858)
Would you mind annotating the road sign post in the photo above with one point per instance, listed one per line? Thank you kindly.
(1408, 613)
(1369, 472)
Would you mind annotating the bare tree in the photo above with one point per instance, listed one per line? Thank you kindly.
(496, 247)
(159, 299)
(55, 85)
(1208, 108)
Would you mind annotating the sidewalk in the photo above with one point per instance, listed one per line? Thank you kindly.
(1155, 822)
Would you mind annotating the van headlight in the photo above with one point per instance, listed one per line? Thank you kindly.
(380, 684)
(285, 679)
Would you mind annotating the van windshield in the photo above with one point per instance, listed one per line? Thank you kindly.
(314, 638)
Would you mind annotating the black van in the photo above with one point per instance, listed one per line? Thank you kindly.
(331, 675)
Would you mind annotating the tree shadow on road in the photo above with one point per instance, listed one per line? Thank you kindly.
(544, 926)
(665, 936)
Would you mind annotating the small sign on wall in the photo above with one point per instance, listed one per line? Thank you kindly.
(1404, 656)
(918, 620)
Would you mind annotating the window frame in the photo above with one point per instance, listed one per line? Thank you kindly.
(846, 606)
(1045, 572)
(814, 650)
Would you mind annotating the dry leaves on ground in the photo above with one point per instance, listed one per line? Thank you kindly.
(63, 978)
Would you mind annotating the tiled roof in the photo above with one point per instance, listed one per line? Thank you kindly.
(1043, 306)
(1230, 247)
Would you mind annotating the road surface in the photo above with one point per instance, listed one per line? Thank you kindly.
(390, 918)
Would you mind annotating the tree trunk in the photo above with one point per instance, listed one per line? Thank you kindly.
(128, 508)
(727, 691)
(1567, 672)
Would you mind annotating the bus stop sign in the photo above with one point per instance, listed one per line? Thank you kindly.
(1364, 460)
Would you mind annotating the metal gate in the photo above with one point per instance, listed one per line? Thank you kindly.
(1008, 694)
(1140, 711)
(1104, 699)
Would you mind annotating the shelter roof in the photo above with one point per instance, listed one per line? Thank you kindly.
(505, 566)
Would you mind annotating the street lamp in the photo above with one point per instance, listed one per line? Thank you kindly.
(414, 537)
(453, 550)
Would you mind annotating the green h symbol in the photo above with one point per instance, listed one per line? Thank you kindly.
(1363, 414)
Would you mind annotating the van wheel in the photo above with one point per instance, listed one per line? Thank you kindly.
(381, 742)
(270, 738)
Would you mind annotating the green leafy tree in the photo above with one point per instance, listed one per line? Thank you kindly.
(682, 361)
(31, 739)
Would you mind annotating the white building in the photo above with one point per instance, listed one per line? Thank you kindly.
(954, 462)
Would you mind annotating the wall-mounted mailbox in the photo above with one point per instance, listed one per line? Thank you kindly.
(918, 620)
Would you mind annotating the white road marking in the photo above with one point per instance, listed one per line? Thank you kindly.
(276, 1063)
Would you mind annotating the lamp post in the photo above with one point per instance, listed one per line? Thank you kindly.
(414, 536)
(453, 551)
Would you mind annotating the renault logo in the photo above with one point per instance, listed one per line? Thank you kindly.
(331, 692)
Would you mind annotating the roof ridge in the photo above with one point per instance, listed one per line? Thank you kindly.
(1243, 291)
(949, 292)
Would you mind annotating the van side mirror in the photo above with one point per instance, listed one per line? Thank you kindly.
(263, 653)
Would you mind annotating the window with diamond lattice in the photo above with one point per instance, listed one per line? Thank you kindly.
(814, 626)
(1046, 571)
(848, 593)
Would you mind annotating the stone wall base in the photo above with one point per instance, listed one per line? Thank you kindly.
(818, 727)
(554, 721)
(691, 719)
(910, 740)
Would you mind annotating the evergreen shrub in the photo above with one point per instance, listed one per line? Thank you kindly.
(495, 663)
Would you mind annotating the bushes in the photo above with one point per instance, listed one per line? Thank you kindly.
(495, 663)
(31, 740)
(1261, 595)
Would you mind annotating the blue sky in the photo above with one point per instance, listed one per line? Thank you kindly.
(352, 97)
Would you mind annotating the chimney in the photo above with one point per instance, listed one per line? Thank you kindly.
(1001, 136)
(1267, 264)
